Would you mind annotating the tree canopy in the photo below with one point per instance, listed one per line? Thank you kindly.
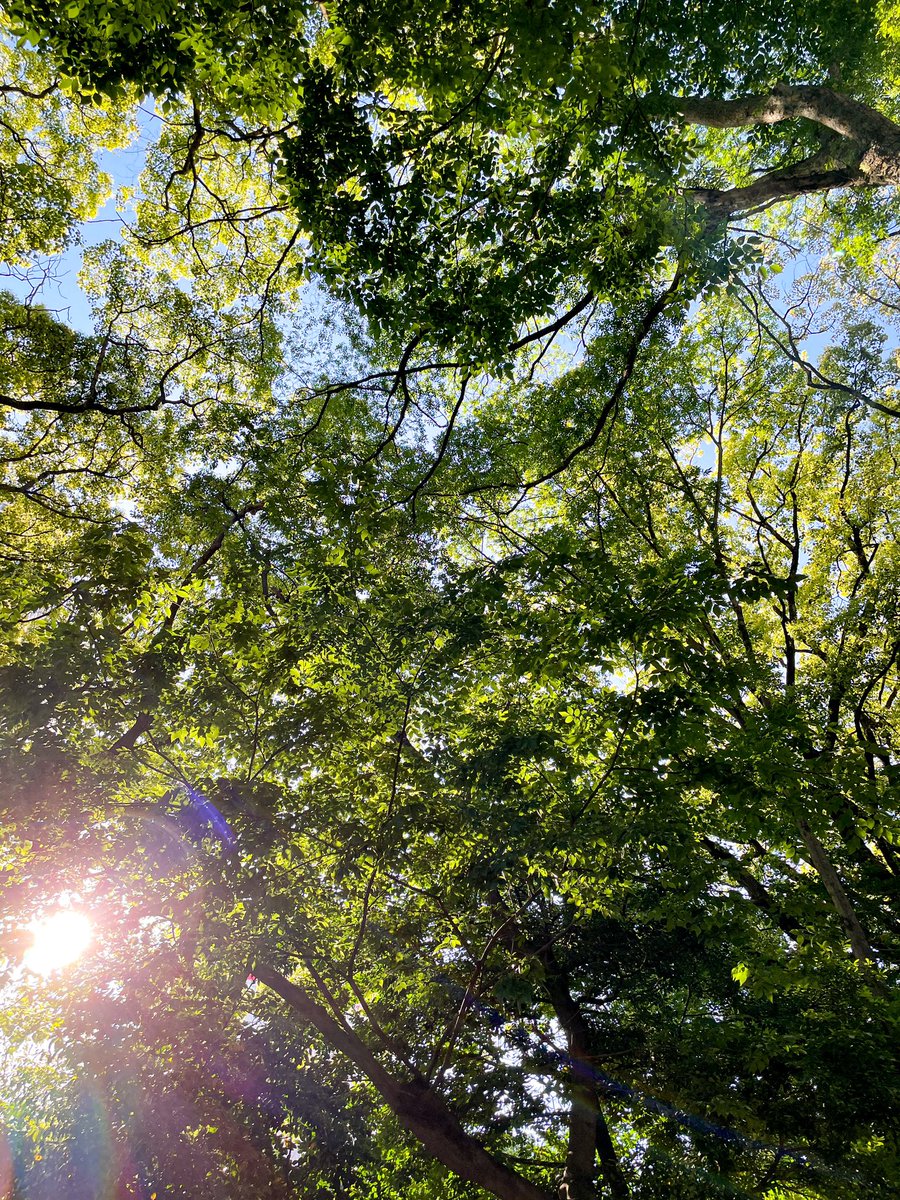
(450, 599)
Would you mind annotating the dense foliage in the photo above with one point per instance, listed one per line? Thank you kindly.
(450, 600)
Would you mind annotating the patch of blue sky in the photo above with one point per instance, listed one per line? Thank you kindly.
(54, 281)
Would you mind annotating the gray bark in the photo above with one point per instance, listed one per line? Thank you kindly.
(864, 153)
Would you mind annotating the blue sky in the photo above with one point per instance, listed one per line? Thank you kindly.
(59, 289)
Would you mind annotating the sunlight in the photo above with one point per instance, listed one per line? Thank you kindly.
(58, 941)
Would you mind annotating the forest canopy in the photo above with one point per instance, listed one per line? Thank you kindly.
(450, 600)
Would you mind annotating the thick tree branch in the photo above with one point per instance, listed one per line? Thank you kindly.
(822, 105)
(859, 942)
(745, 879)
(80, 406)
(588, 1132)
(589, 1136)
(801, 179)
(866, 152)
(416, 1105)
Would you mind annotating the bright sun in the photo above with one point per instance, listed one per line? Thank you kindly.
(58, 941)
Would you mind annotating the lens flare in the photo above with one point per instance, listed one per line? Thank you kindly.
(7, 1174)
(58, 941)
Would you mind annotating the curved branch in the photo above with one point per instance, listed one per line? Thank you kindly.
(143, 721)
(852, 120)
(644, 330)
(801, 179)
(865, 153)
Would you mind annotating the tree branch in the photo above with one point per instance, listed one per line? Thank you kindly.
(866, 152)
(589, 1135)
(822, 105)
(859, 942)
(416, 1105)
(143, 720)
(588, 1131)
(745, 879)
(801, 179)
(643, 332)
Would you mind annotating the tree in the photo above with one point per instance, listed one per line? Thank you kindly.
(503, 808)
(471, 166)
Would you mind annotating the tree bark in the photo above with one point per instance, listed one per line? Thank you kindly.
(588, 1132)
(589, 1136)
(865, 153)
(859, 943)
(416, 1105)
(788, 184)
(822, 105)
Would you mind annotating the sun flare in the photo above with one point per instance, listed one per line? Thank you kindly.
(58, 941)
